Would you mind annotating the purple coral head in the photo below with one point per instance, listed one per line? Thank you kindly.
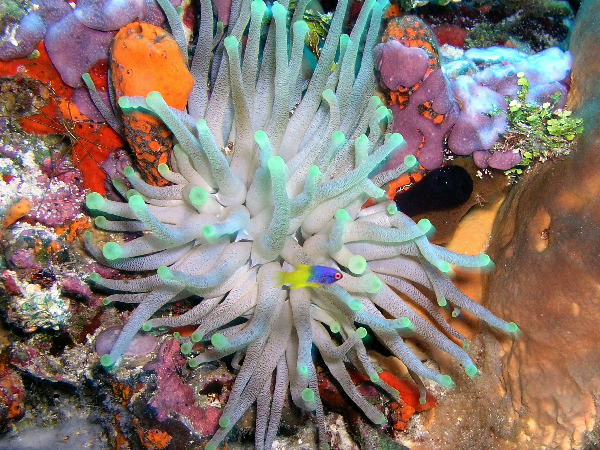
(399, 65)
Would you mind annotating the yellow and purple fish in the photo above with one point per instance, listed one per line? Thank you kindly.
(308, 276)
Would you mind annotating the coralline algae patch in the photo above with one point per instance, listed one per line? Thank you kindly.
(37, 307)
(55, 198)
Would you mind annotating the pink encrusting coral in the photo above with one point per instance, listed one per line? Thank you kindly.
(176, 398)
(271, 171)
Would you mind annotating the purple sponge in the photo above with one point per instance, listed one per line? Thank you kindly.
(402, 67)
(481, 121)
(109, 15)
(424, 137)
(75, 48)
(388, 56)
(32, 29)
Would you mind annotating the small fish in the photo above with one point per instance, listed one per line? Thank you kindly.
(308, 276)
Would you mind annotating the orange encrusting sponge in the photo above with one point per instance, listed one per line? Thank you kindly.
(18, 210)
(145, 58)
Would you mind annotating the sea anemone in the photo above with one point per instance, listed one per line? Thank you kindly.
(271, 170)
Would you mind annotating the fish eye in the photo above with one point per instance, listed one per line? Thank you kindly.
(338, 276)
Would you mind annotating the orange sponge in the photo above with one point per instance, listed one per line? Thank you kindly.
(145, 58)
(19, 209)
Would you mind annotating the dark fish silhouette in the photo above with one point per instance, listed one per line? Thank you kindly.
(442, 188)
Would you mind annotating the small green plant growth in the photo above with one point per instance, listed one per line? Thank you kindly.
(537, 132)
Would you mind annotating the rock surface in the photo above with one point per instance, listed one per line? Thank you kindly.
(546, 246)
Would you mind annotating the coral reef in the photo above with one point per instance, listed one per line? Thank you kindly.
(546, 245)
(155, 396)
(531, 25)
(416, 3)
(489, 96)
(174, 397)
(17, 210)
(537, 132)
(266, 174)
(64, 424)
(55, 194)
(37, 307)
(12, 394)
